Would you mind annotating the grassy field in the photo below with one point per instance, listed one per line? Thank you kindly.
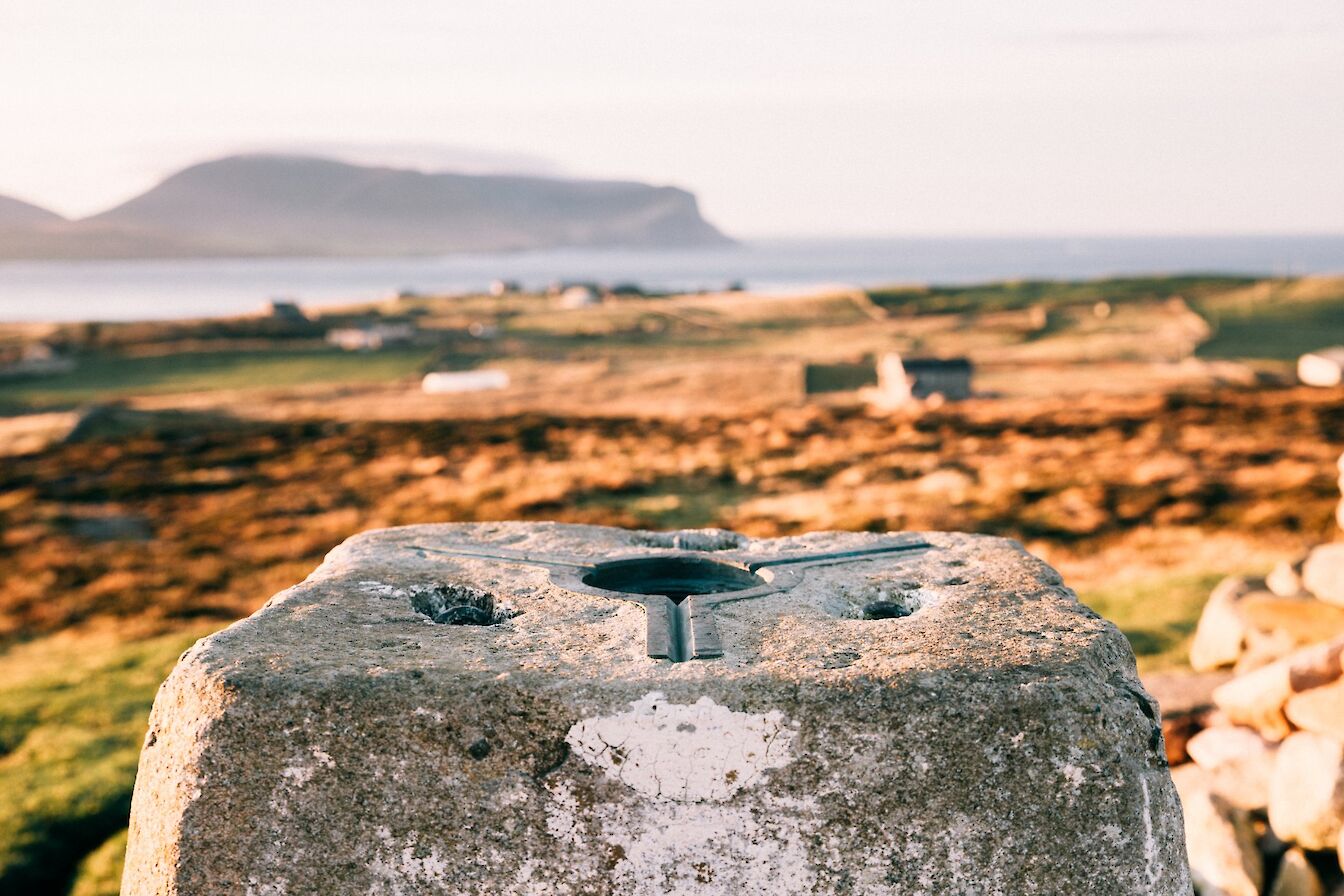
(72, 716)
(1021, 294)
(102, 377)
(1280, 331)
(1157, 613)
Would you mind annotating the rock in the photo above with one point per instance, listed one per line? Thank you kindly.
(1319, 710)
(1270, 846)
(1221, 630)
(1297, 620)
(1296, 877)
(1238, 762)
(1220, 841)
(1306, 792)
(1323, 573)
(1258, 698)
(1285, 579)
(1263, 648)
(339, 742)
(1186, 700)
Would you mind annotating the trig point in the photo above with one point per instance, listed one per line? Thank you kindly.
(535, 709)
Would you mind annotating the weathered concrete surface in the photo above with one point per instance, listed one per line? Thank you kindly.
(997, 741)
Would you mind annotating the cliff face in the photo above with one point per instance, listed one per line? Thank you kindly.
(288, 205)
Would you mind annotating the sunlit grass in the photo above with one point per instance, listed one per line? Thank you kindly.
(72, 718)
(105, 376)
(1274, 332)
(1157, 614)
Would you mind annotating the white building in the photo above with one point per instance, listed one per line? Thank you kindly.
(579, 296)
(370, 338)
(1323, 367)
(36, 359)
(448, 382)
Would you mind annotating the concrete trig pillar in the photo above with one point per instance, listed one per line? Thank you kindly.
(516, 708)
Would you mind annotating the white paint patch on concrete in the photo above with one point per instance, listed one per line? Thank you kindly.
(713, 850)
(677, 833)
(702, 752)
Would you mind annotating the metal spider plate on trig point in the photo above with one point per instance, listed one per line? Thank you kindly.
(512, 709)
(679, 589)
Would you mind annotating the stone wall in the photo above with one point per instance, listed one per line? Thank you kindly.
(1264, 788)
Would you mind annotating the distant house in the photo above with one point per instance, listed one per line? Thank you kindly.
(820, 379)
(370, 338)
(580, 295)
(35, 359)
(893, 381)
(447, 382)
(925, 377)
(284, 309)
(504, 287)
(1323, 367)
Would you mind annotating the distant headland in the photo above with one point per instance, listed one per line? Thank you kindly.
(286, 205)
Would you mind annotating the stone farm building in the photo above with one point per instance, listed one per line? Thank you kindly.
(948, 377)
(893, 380)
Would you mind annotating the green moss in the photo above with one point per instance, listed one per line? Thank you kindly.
(73, 716)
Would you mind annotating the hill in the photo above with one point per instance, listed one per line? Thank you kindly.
(303, 206)
(17, 213)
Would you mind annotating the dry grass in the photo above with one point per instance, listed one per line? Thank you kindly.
(194, 517)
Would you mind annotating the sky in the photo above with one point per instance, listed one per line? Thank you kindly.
(854, 118)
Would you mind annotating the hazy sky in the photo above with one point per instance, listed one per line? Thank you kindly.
(858, 117)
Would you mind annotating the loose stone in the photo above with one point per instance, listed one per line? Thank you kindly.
(1323, 573)
(1238, 763)
(1296, 877)
(1221, 842)
(1306, 793)
(1221, 629)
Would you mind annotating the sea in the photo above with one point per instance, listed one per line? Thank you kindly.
(169, 289)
